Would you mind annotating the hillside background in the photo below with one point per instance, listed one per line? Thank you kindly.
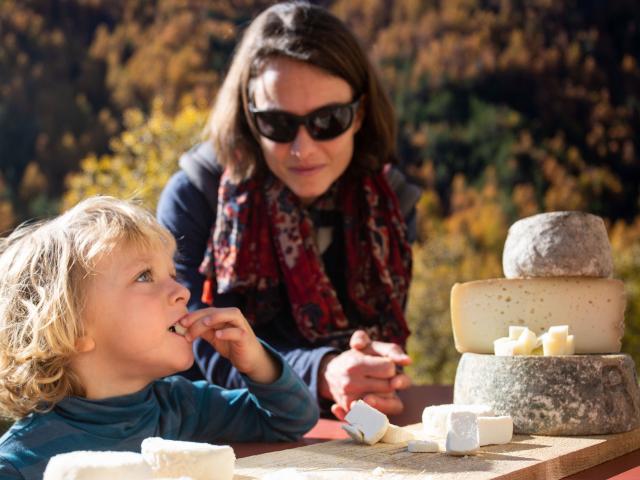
(506, 109)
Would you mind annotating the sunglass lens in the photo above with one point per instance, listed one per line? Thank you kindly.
(330, 122)
(278, 126)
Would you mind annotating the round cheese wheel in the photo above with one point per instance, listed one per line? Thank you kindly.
(557, 244)
(555, 395)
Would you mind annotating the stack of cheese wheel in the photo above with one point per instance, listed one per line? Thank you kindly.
(557, 267)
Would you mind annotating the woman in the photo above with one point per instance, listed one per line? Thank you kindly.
(287, 213)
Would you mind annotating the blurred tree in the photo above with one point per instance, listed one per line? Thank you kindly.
(144, 156)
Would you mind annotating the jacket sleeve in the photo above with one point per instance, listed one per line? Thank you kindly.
(280, 411)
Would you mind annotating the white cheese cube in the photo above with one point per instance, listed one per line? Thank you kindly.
(97, 465)
(434, 418)
(200, 461)
(515, 331)
(526, 342)
(462, 433)
(495, 430)
(553, 345)
(570, 348)
(504, 346)
(372, 423)
(422, 446)
(396, 434)
(561, 332)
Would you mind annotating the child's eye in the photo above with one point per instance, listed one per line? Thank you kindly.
(145, 276)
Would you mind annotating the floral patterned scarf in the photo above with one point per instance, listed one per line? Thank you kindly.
(263, 237)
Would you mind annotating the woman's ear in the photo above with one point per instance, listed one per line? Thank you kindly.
(85, 344)
(357, 122)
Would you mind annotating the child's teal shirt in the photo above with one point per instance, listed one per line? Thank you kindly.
(173, 408)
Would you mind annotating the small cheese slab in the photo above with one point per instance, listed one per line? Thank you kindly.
(372, 423)
(434, 418)
(422, 446)
(557, 244)
(200, 461)
(557, 395)
(462, 433)
(396, 434)
(495, 430)
(90, 465)
(592, 308)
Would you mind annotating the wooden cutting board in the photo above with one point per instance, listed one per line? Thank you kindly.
(526, 457)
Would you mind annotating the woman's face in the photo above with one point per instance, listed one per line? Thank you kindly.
(307, 166)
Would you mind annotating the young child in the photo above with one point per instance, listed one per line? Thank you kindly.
(90, 315)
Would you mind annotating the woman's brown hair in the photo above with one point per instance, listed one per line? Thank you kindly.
(309, 34)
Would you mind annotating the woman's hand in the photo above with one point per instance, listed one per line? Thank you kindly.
(368, 370)
(230, 334)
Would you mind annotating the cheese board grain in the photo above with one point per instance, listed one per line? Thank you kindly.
(526, 457)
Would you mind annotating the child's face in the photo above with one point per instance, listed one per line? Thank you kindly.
(132, 302)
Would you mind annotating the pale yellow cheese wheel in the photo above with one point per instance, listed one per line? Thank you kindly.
(593, 308)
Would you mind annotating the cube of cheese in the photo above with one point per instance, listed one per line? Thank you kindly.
(504, 346)
(462, 433)
(422, 446)
(495, 430)
(434, 418)
(515, 331)
(396, 434)
(90, 464)
(200, 461)
(526, 342)
(369, 421)
(559, 332)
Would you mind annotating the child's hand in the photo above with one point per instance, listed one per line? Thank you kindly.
(230, 334)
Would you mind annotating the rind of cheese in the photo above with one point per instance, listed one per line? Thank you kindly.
(372, 423)
(557, 244)
(396, 434)
(557, 395)
(495, 430)
(89, 465)
(462, 433)
(422, 446)
(200, 461)
(355, 434)
(434, 418)
(592, 308)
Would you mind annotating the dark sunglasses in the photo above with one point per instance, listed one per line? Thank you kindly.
(324, 123)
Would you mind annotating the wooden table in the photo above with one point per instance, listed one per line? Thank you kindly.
(626, 467)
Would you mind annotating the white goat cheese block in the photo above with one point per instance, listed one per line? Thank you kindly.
(422, 446)
(462, 433)
(592, 308)
(557, 244)
(396, 434)
(89, 465)
(434, 418)
(495, 430)
(200, 461)
(504, 346)
(369, 421)
(555, 395)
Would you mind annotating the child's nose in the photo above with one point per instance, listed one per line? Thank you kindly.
(179, 293)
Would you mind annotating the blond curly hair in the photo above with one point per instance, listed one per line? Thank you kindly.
(44, 271)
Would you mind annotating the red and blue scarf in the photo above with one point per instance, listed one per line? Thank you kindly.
(263, 237)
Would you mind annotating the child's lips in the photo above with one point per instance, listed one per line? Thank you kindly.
(177, 327)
